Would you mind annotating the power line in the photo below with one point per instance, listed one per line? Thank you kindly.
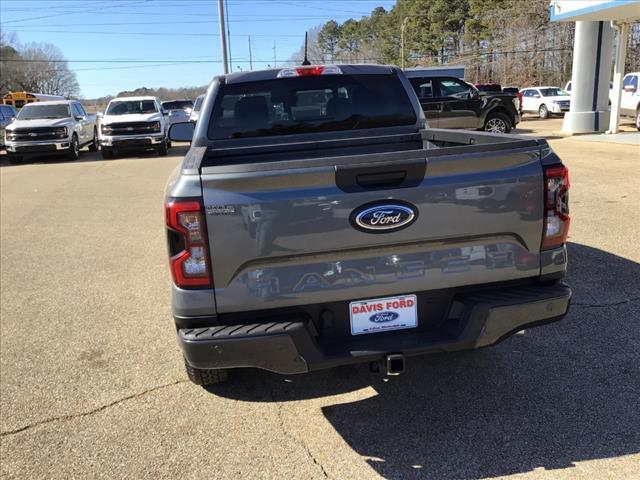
(59, 14)
(34, 60)
(210, 22)
(151, 34)
(245, 18)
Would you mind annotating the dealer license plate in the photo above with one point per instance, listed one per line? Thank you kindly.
(383, 314)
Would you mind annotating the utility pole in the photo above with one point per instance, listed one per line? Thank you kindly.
(250, 59)
(402, 27)
(275, 61)
(226, 8)
(223, 37)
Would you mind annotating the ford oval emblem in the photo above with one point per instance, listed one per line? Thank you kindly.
(383, 317)
(384, 216)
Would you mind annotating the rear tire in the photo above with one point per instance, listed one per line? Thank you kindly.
(107, 153)
(543, 111)
(638, 119)
(497, 122)
(94, 145)
(74, 148)
(206, 377)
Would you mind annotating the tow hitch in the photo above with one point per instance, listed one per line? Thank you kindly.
(391, 364)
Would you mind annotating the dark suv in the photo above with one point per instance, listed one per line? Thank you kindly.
(449, 102)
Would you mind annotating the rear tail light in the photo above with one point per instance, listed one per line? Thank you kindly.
(188, 247)
(556, 218)
(309, 71)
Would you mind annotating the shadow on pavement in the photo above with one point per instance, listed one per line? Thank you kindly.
(560, 394)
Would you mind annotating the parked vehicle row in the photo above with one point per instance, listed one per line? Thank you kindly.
(48, 125)
(142, 123)
(546, 101)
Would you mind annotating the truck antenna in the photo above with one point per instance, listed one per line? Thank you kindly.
(306, 60)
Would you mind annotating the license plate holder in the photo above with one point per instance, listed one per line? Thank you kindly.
(383, 314)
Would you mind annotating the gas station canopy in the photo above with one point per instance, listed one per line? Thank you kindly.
(595, 10)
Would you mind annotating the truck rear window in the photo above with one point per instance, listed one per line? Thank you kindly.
(324, 103)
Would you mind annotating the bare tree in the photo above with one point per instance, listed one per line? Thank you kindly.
(36, 67)
(47, 71)
(10, 68)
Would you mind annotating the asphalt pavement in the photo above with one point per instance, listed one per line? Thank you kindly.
(92, 382)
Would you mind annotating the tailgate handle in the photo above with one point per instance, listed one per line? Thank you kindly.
(379, 180)
(380, 176)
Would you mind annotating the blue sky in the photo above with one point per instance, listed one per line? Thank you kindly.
(123, 32)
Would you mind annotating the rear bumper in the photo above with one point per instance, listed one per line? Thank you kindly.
(293, 346)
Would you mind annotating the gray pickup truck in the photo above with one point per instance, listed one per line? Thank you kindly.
(316, 222)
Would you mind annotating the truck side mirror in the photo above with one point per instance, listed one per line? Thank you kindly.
(629, 88)
(181, 132)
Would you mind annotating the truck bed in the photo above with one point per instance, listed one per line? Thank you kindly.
(277, 150)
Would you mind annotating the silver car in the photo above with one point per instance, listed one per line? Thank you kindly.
(179, 110)
(7, 115)
(195, 113)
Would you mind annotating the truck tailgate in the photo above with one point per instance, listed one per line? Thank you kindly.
(282, 233)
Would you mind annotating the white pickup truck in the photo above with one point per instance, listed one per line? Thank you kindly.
(51, 128)
(134, 123)
(630, 97)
